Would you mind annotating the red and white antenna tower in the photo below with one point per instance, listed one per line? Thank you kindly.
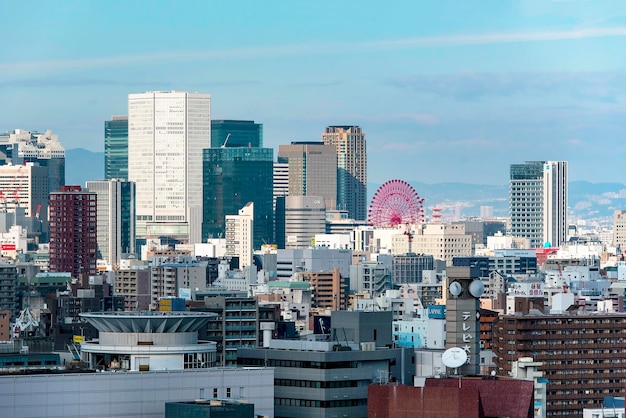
(436, 215)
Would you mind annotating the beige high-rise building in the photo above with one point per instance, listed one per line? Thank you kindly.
(619, 229)
(239, 238)
(442, 241)
(349, 142)
(312, 170)
(167, 132)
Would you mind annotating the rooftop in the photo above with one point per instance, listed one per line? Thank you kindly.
(148, 322)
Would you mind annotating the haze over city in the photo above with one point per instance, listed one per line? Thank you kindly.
(445, 91)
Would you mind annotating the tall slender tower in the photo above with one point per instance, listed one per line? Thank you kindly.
(351, 168)
(73, 231)
(116, 218)
(116, 148)
(167, 132)
(538, 202)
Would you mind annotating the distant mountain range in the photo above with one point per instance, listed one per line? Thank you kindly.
(82, 165)
(589, 201)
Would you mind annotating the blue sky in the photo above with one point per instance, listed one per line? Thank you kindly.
(447, 91)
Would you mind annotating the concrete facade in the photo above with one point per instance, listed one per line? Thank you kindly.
(130, 394)
(313, 259)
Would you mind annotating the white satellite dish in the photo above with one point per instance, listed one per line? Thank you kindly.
(454, 358)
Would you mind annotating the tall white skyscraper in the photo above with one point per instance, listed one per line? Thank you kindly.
(538, 202)
(167, 132)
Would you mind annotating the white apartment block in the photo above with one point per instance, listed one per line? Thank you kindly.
(239, 235)
(167, 132)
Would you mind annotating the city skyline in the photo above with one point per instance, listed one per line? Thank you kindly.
(444, 93)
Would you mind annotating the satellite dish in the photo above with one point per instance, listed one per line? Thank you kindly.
(477, 288)
(455, 288)
(454, 357)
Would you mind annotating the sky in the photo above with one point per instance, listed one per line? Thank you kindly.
(446, 90)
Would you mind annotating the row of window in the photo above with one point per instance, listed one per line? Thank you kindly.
(320, 404)
(316, 384)
(297, 364)
(560, 321)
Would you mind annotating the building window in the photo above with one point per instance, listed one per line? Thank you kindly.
(228, 392)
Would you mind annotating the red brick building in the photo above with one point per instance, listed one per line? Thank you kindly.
(453, 398)
(73, 240)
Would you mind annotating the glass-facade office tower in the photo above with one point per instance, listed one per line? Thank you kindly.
(351, 168)
(167, 132)
(538, 202)
(312, 170)
(116, 218)
(232, 178)
(116, 148)
(236, 133)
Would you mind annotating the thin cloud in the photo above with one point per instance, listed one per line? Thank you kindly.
(77, 82)
(7, 68)
(426, 119)
(68, 82)
(598, 85)
(422, 118)
(499, 38)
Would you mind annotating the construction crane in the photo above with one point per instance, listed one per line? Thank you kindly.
(16, 197)
(18, 187)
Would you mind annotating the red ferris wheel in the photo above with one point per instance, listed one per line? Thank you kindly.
(395, 203)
